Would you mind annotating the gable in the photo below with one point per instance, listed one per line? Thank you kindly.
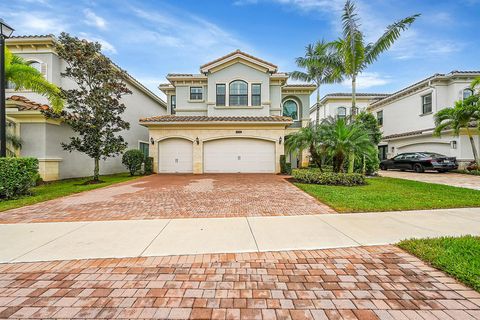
(238, 57)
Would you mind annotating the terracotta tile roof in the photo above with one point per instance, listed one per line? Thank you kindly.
(27, 104)
(172, 118)
(236, 52)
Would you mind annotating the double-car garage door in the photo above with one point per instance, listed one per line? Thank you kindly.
(230, 155)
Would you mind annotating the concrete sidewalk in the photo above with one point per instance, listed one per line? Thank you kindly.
(132, 238)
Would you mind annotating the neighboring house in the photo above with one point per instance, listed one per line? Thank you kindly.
(231, 117)
(42, 137)
(407, 116)
(339, 105)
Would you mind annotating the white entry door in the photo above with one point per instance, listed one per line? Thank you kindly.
(175, 156)
(239, 155)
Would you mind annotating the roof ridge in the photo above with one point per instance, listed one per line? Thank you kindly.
(236, 52)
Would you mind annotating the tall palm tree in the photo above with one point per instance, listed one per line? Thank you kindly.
(320, 66)
(23, 76)
(355, 54)
(307, 138)
(344, 138)
(463, 115)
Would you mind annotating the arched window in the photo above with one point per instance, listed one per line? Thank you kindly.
(37, 65)
(290, 109)
(341, 112)
(467, 93)
(238, 93)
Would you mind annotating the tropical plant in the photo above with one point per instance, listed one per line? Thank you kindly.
(462, 116)
(342, 139)
(133, 160)
(14, 141)
(369, 122)
(23, 76)
(475, 83)
(93, 111)
(320, 66)
(352, 50)
(307, 138)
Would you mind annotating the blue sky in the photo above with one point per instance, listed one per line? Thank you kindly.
(152, 38)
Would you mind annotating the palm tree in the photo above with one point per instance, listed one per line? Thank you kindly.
(344, 138)
(23, 76)
(463, 115)
(475, 83)
(321, 66)
(354, 53)
(15, 141)
(307, 138)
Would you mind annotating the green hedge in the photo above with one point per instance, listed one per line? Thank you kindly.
(17, 175)
(133, 160)
(315, 176)
(285, 168)
(148, 165)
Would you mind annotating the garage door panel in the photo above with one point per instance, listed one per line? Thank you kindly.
(239, 155)
(175, 155)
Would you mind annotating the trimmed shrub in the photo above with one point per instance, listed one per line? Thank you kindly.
(133, 160)
(17, 175)
(148, 169)
(285, 168)
(315, 176)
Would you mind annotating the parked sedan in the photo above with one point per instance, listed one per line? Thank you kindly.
(420, 161)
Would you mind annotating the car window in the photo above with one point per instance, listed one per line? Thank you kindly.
(432, 155)
(410, 156)
(399, 157)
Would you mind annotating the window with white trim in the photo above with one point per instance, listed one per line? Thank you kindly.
(427, 103)
(467, 93)
(238, 93)
(290, 109)
(380, 117)
(256, 94)
(144, 147)
(173, 104)
(196, 93)
(341, 113)
(221, 94)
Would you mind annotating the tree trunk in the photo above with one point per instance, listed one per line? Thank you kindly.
(316, 157)
(96, 169)
(317, 116)
(364, 167)
(351, 162)
(474, 148)
(354, 95)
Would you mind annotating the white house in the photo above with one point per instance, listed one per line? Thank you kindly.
(407, 116)
(42, 137)
(231, 117)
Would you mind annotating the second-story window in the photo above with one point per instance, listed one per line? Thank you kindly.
(196, 93)
(238, 93)
(256, 94)
(221, 91)
(427, 103)
(173, 104)
(341, 113)
(467, 93)
(380, 117)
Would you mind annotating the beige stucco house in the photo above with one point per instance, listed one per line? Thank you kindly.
(42, 137)
(231, 117)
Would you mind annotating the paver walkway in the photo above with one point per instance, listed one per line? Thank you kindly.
(359, 283)
(177, 196)
(449, 178)
(118, 239)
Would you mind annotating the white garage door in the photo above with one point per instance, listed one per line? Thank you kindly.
(175, 155)
(442, 148)
(239, 155)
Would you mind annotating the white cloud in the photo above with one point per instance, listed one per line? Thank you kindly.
(107, 47)
(367, 80)
(27, 23)
(93, 19)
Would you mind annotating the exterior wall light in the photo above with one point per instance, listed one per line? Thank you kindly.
(280, 140)
(152, 141)
(197, 141)
(453, 144)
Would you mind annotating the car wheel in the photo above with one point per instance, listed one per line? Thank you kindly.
(418, 168)
(383, 167)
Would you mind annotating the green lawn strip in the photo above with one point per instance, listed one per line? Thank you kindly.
(392, 194)
(457, 256)
(56, 189)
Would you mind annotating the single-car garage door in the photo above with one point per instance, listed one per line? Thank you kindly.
(239, 155)
(175, 155)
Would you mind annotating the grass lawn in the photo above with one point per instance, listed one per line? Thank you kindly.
(56, 189)
(391, 194)
(459, 257)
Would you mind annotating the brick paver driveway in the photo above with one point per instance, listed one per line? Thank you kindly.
(357, 283)
(176, 196)
(449, 178)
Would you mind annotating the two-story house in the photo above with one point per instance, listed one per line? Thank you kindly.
(42, 138)
(339, 105)
(407, 117)
(231, 117)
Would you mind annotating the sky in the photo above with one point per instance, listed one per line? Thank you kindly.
(151, 38)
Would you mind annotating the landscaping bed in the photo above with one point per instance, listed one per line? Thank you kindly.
(391, 194)
(457, 256)
(56, 189)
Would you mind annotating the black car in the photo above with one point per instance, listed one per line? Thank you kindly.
(420, 161)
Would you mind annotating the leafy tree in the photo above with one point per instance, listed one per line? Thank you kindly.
(462, 116)
(369, 122)
(133, 159)
(356, 55)
(23, 76)
(321, 66)
(93, 109)
(307, 138)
